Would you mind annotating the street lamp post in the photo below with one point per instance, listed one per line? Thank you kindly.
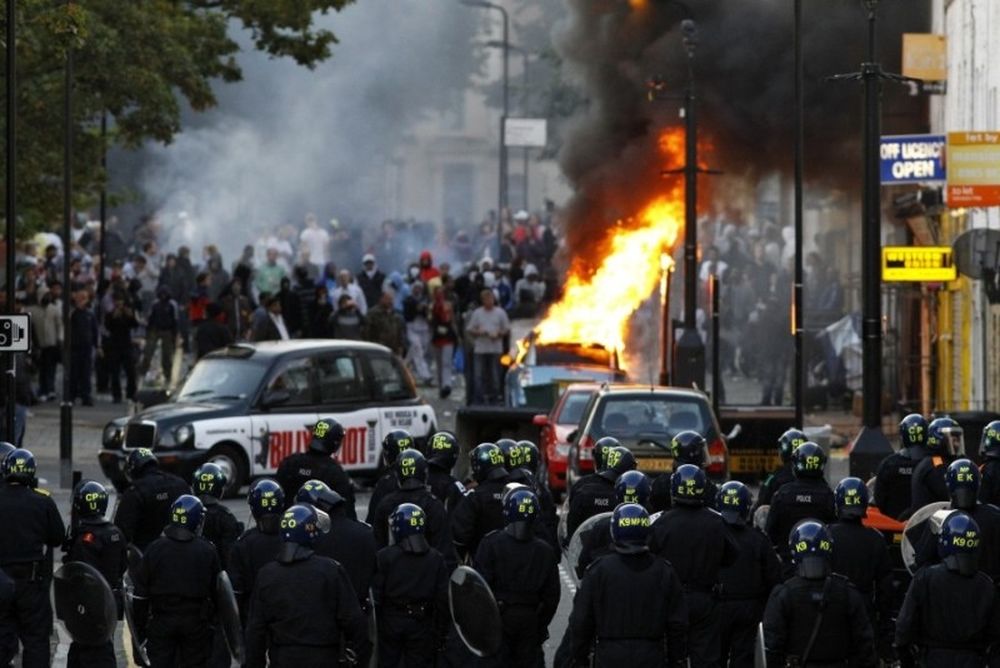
(11, 204)
(66, 406)
(502, 189)
(798, 384)
(525, 54)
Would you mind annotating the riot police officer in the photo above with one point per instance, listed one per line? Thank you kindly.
(631, 601)
(258, 546)
(860, 554)
(411, 476)
(319, 463)
(893, 480)
(304, 611)
(441, 457)
(222, 529)
(951, 611)
(597, 494)
(598, 455)
(523, 574)
(787, 442)
(522, 460)
(631, 487)
(944, 445)
(816, 617)
(31, 528)
(348, 542)
(687, 447)
(696, 541)
(175, 589)
(745, 584)
(392, 444)
(411, 593)
(144, 509)
(989, 450)
(808, 496)
(481, 509)
(95, 541)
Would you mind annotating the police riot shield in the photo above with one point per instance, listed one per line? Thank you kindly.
(133, 556)
(759, 651)
(474, 612)
(84, 603)
(575, 549)
(928, 518)
(228, 615)
(760, 517)
(372, 629)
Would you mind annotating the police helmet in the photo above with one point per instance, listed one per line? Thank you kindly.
(531, 458)
(442, 450)
(187, 512)
(808, 461)
(633, 487)
(90, 499)
(5, 449)
(317, 493)
(811, 547)
(19, 467)
(600, 451)
(508, 447)
(787, 442)
(851, 498)
(618, 460)
(687, 486)
(411, 469)
(138, 461)
(734, 502)
(327, 436)
(962, 479)
(210, 480)
(520, 508)
(989, 445)
(408, 526)
(945, 436)
(394, 443)
(689, 447)
(913, 431)
(630, 528)
(487, 462)
(958, 543)
(267, 501)
(301, 525)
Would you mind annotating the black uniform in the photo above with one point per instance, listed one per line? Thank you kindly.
(524, 577)
(698, 544)
(298, 469)
(778, 479)
(743, 590)
(988, 519)
(845, 634)
(927, 484)
(221, 528)
(445, 487)
(101, 544)
(438, 528)
(31, 528)
(302, 605)
(175, 588)
(385, 485)
(352, 545)
(593, 495)
(860, 555)
(989, 488)
(951, 617)
(894, 482)
(659, 494)
(595, 542)
(254, 550)
(411, 601)
(479, 512)
(633, 605)
(794, 502)
(144, 509)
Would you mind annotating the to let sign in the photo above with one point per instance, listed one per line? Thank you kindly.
(922, 264)
(973, 169)
(912, 159)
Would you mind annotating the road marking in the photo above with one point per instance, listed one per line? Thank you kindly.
(127, 643)
(62, 648)
(567, 580)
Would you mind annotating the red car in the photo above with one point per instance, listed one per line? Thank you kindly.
(556, 428)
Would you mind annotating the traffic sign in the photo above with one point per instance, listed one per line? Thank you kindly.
(15, 333)
(526, 133)
(921, 264)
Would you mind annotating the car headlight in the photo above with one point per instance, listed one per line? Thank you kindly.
(183, 434)
(112, 434)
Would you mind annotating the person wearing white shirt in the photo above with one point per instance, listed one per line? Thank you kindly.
(316, 240)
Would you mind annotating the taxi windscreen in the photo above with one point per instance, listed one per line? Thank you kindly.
(221, 379)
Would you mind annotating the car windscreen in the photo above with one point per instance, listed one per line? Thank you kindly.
(572, 408)
(563, 354)
(221, 379)
(657, 417)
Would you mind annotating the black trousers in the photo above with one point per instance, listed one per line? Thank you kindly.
(703, 629)
(179, 641)
(91, 656)
(405, 641)
(738, 621)
(27, 619)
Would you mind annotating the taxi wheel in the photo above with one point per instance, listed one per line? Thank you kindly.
(231, 461)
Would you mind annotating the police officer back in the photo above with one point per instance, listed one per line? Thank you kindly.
(808, 496)
(304, 611)
(598, 455)
(95, 541)
(783, 475)
(893, 480)
(630, 603)
(595, 542)
(442, 455)
(481, 509)
(259, 545)
(318, 463)
(144, 509)
(394, 443)
(31, 528)
(989, 450)
(816, 617)
(175, 590)
(222, 529)
(597, 494)
(944, 445)
(695, 540)
(522, 460)
(687, 447)
(745, 584)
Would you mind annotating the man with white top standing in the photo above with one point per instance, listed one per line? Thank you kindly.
(316, 240)
(488, 325)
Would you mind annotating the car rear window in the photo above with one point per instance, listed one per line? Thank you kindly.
(570, 353)
(655, 416)
(572, 408)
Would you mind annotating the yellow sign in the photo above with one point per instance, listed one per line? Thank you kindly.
(925, 56)
(753, 461)
(924, 264)
(657, 465)
(973, 169)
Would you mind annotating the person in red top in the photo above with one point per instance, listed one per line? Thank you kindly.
(444, 336)
(427, 268)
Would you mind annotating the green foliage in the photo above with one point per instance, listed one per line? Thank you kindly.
(136, 60)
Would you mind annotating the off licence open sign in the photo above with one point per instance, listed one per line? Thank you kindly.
(973, 169)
